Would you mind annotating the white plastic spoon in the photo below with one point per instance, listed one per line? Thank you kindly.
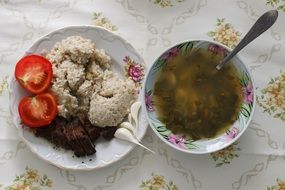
(130, 127)
(135, 113)
(125, 134)
(130, 118)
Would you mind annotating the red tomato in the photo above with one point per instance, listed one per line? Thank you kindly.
(39, 110)
(34, 73)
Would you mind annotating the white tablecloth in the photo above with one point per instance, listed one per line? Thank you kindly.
(255, 161)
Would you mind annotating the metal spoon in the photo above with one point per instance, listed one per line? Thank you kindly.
(261, 25)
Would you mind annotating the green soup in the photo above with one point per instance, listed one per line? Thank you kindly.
(193, 98)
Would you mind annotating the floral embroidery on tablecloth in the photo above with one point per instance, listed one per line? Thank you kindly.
(157, 182)
(278, 4)
(101, 20)
(30, 180)
(226, 155)
(272, 97)
(165, 3)
(279, 186)
(225, 33)
(3, 85)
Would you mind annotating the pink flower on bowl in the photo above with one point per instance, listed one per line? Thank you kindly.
(170, 53)
(177, 140)
(134, 70)
(248, 93)
(148, 102)
(231, 134)
(216, 49)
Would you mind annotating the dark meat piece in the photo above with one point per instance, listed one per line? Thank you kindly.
(74, 143)
(54, 132)
(82, 118)
(77, 134)
(92, 131)
(108, 132)
(78, 139)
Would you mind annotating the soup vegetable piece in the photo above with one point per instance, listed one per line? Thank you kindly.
(194, 99)
(34, 73)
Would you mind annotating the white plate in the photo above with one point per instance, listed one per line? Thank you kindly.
(108, 152)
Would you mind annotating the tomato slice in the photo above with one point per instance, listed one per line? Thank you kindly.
(39, 110)
(34, 73)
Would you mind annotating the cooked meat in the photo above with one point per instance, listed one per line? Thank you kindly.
(74, 143)
(54, 132)
(92, 131)
(79, 139)
(77, 135)
(108, 132)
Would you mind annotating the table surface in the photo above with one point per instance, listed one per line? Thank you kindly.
(255, 161)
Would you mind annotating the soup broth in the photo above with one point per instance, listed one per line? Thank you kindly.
(192, 98)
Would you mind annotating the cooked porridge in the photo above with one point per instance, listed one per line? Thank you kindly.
(84, 83)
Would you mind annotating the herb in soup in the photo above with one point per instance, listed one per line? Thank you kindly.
(194, 99)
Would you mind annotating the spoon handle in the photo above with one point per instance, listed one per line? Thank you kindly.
(141, 145)
(261, 25)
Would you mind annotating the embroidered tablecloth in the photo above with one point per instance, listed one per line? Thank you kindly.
(255, 161)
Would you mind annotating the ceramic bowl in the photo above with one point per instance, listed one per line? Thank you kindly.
(182, 142)
(124, 60)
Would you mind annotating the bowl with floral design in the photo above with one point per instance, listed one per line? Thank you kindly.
(183, 142)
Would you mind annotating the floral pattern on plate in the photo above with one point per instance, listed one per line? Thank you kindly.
(134, 70)
(272, 98)
(157, 182)
(187, 144)
(30, 180)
